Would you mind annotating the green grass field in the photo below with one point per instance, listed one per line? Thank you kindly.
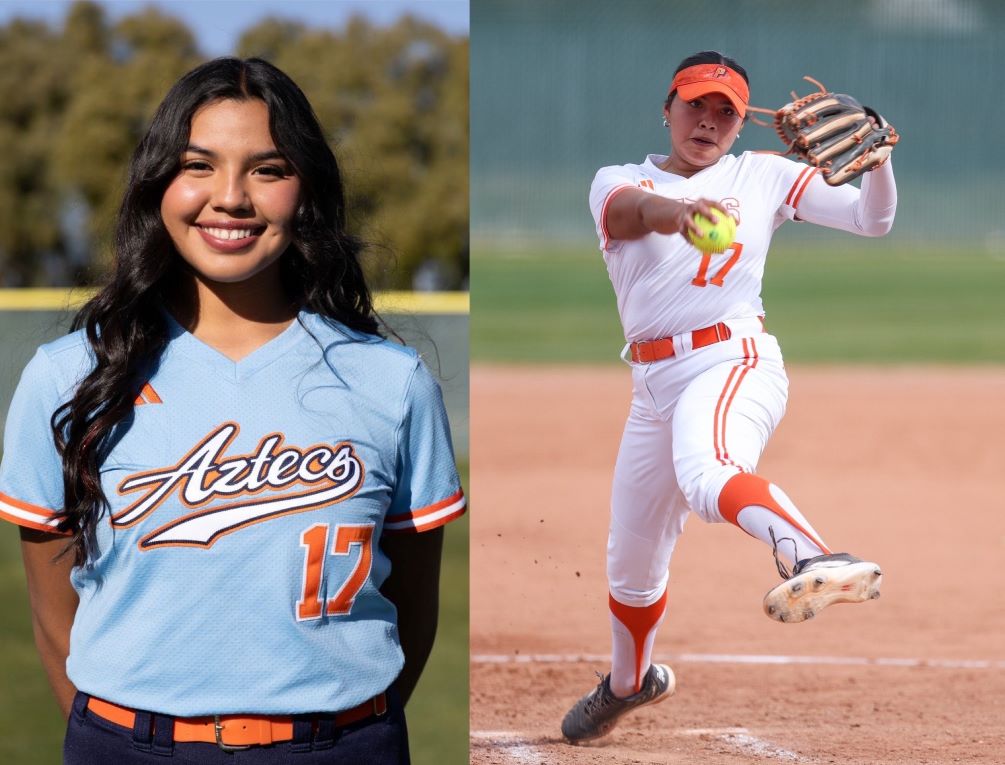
(866, 302)
(31, 729)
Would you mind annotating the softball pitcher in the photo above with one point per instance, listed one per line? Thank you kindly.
(709, 385)
(233, 460)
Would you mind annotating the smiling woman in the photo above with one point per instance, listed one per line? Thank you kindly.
(235, 194)
(221, 473)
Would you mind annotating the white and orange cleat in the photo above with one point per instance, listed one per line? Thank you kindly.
(816, 583)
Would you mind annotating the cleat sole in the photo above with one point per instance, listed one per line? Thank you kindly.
(805, 595)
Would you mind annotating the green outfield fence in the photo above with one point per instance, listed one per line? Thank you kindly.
(561, 88)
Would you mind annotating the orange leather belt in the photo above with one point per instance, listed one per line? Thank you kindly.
(648, 351)
(235, 730)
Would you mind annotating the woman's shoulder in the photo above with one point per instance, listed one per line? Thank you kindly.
(767, 160)
(68, 352)
(628, 170)
(768, 169)
(60, 363)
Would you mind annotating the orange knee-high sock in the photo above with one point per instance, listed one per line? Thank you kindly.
(767, 509)
(639, 621)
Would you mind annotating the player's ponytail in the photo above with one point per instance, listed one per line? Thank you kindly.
(125, 322)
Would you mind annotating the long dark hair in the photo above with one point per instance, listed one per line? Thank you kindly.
(125, 323)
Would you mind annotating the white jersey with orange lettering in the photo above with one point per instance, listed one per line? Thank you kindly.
(238, 567)
(710, 392)
(655, 277)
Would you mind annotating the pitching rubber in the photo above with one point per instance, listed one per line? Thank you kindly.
(803, 596)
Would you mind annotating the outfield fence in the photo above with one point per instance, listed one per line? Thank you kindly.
(561, 88)
(435, 324)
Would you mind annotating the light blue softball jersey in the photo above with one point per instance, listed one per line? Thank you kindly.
(238, 568)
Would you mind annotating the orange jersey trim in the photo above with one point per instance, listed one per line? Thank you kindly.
(795, 185)
(428, 509)
(148, 396)
(607, 204)
(32, 516)
(20, 504)
(412, 521)
(799, 196)
(799, 187)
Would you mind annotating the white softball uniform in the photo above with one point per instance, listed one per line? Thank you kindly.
(704, 415)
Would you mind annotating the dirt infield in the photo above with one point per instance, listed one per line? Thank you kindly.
(902, 466)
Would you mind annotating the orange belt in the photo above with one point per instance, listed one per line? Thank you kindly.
(235, 730)
(647, 351)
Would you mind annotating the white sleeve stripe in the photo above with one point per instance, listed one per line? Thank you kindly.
(16, 514)
(420, 512)
(425, 521)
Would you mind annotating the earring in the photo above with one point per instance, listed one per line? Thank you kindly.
(665, 123)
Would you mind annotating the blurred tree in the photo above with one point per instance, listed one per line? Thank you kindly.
(144, 55)
(33, 90)
(394, 100)
(269, 38)
(85, 32)
(74, 104)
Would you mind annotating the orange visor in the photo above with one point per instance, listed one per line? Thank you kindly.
(702, 79)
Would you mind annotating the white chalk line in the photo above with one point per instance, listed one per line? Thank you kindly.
(752, 745)
(745, 742)
(518, 747)
(521, 750)
(726, 658)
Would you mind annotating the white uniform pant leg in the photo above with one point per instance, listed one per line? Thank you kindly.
(724, 418)
(722, 423)
(648, 513)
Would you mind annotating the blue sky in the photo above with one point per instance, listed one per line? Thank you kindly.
(218, 24)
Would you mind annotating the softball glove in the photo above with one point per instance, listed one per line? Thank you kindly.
(834, 132)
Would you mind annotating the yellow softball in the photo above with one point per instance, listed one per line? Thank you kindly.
(716, 236)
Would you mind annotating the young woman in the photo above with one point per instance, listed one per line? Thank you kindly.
(219, 473)
(709, 383)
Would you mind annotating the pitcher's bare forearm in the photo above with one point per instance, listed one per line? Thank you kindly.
(53, 605)
(414, 588)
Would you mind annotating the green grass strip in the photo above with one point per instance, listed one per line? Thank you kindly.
(861, 303)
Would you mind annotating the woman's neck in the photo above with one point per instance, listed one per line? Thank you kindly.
(235, 319)
(671, 165)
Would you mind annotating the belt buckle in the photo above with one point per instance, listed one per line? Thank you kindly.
(380, 705)
(218, 729)
(643, 349)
